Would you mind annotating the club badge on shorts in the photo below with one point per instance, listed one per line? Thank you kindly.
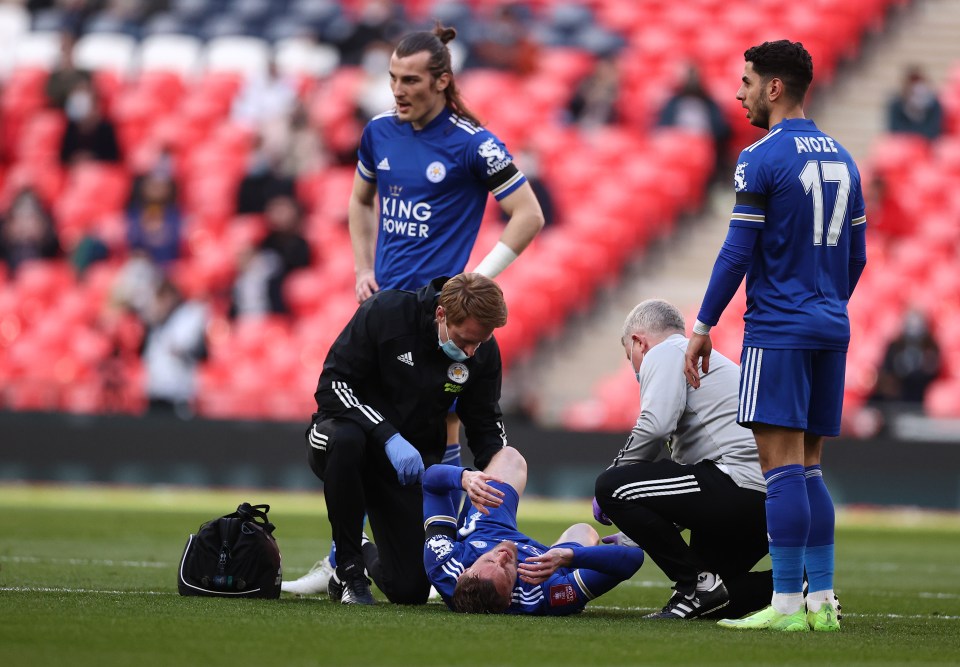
(436, 172)
(458, 373)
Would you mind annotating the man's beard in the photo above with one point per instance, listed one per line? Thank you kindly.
(760, 115)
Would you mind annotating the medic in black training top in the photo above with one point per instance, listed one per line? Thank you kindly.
(382, 400)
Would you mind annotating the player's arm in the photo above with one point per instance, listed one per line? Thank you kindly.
(728, 272)
(492, 164)
(525, 220)
(440, 480)
(858, 240)
(440, 528)
(596, 569)
(858, 254)
(663, 396)
(362, 221)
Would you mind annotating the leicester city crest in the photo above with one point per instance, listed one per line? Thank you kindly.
(458, 373)
(740, 178)
(436, 172)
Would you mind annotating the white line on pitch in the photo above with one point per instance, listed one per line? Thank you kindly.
(83, 561)
(45, 589)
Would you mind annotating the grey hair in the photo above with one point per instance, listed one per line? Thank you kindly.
(653, 316)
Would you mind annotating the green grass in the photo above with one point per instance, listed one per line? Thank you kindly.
(87, 577)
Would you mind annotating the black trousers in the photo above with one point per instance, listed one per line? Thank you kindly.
(651, 502)
(358, 479)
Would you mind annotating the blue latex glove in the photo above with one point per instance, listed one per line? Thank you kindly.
(599, 515)
(405, 458)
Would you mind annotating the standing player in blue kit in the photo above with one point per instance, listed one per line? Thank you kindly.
(798, 234)
(429, 165)
(424, 172)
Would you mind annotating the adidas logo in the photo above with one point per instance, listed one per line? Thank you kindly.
(407, 358)
(384, 164)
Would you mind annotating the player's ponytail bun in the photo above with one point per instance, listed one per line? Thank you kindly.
(446, 34)
(435, 43)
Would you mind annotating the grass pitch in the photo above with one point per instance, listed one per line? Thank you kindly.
(88, 577)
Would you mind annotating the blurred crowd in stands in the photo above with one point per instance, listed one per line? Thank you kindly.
(201, 185)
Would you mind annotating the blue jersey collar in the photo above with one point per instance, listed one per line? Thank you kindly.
(442, 117)
(796, 125)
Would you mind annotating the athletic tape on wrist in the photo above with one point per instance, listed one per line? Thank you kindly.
(496, 260)
(701, 329)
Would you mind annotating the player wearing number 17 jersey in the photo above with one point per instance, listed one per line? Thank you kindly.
(798, 234)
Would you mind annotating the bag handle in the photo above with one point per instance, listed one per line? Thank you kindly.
(257, 514)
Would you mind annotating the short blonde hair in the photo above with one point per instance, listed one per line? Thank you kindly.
(473, 295)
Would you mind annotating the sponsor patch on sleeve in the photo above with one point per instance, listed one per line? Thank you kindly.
(562, 595)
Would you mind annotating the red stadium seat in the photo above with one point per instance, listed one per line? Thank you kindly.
(623, 17)
(605, 220)
(46, 178)
(32, 395)
(947, 156)
(942, 400)
(85, 398)
(304, 292)
(894, 155)
(567, 65)
(39, 283)
(41, 135)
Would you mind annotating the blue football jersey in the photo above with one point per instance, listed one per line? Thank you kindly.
(448, 551)
(802, 191)
(432, 187)
(445, 559)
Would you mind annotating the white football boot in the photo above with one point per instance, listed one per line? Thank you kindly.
(314, 582)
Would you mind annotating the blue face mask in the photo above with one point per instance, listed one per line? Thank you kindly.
(450, 348)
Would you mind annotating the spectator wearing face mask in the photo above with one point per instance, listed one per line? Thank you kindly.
(26, 231)
(911, 363)
(154, 219)
(65, 76)
(692, 108)
(916, 110)
(174, 345)
(379, 21)
(375, 93)
(89, 135)
(265, 104)
(258, 290)
(263, 180)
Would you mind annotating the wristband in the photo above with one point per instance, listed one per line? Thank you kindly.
(496, 260)
(701, 329)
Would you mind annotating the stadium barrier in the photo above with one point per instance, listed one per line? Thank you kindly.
(564, 464)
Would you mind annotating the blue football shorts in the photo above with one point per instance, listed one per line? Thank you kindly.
(501, 523)
(800, 389)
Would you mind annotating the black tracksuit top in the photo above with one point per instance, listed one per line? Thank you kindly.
(387, 373)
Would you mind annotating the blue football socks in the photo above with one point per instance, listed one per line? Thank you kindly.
(452, 455)
(788, 524)
(818, 558)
